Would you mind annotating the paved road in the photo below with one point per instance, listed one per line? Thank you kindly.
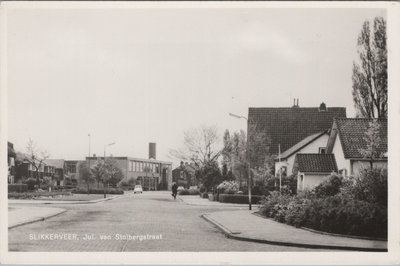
(174, 225)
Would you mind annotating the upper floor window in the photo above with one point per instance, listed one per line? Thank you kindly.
(322, 150)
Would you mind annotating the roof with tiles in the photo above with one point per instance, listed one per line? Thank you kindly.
(315, 163)
(288, 126)
(352, 134)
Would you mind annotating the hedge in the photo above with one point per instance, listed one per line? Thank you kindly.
(30, 195)
(17, 188)
(204, 195)
(98, 191)
(189, 192)
(238, 198)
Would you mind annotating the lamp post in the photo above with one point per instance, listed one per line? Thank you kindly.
(89, 150)
(248, 160)
(105, 146)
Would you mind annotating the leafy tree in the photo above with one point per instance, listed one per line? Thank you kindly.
(209, 175)
(98, 172)
(85, 175)
(370, 73)
(113, 174)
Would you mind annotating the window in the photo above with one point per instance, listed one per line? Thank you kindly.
(322, 150)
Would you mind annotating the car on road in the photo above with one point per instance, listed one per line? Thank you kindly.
(138, 189)
(180, 188)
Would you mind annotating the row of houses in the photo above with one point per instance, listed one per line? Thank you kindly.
(312, 143)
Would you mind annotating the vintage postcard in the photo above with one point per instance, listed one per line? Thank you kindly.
(199, 132)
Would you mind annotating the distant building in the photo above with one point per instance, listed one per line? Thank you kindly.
(151, 174)
(60, 170)
(347, 139)
(287, 126)
(184, 175)
(11, 163)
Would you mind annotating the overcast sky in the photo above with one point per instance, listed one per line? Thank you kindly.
(135, 76)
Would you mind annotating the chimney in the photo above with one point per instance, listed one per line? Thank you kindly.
(294, 103)
(152, 150)
(322, 107)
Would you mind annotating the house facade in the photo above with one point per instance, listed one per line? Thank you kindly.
(347, 140)
(312, 169)
(315, 143)
(60, 171)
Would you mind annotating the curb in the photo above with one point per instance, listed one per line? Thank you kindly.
(234, 235)
(71, 202)
(223, 206)
(37, 219)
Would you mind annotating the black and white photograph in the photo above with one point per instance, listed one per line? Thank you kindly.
(159, 133)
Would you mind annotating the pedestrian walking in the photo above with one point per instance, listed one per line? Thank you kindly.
(174, 190)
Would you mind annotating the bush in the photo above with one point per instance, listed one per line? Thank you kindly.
(228, 187)
(370, 185)
(336, 214)
(98, 191)
(189, 192)
(17, 188)
(30, 182)
(344, 215)
(329, 187)
(237, 198)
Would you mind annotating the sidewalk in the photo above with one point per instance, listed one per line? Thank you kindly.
(243, 225)
(109, 197)
(197, 201)
(18, 216)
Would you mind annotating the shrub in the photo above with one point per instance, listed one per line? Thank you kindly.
(336, 214)
(329, 187)
(344, 215)
(237, 198)
(228, 187)
(189, 192)
(30, 182)
(370, 186)
(17, 188)
(97, 191)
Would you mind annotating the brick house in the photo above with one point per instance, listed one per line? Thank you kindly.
(60, 171)
(184, 175)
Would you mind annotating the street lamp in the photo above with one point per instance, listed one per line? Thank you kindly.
(105, 146)
(248, 160)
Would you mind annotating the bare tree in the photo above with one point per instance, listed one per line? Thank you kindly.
(201, 146)
(370, 74)
(35, 157)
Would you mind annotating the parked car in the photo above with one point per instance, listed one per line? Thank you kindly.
(181, 188)
(138, 189)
